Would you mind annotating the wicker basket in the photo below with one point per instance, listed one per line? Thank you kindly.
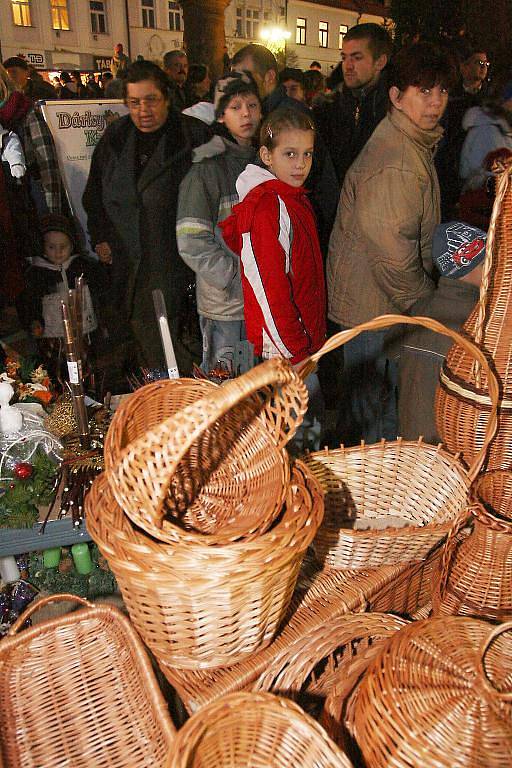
(247, 730)
(217, 465)
(438, 695)
(366, 640)
(464, 398)
(199, 606)
(380, 487)
(79, 691)
(475, 575)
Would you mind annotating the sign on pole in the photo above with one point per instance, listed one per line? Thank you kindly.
(76, 127)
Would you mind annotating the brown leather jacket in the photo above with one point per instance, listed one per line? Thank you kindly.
(380, 258)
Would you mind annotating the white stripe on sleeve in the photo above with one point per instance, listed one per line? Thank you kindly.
(253, 276)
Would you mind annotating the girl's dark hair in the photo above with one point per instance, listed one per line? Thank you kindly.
(281, 120)
(146, 70)
(422, 65)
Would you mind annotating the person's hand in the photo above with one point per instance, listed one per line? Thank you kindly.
(104, 253)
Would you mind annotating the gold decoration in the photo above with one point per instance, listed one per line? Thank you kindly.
(61, 421)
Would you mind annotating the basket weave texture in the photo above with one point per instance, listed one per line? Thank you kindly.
(199, 606)
(247, 730)
(422, 486)
(439, 694)
(463, 402)
(475, 575)
(215, 466)
(79, 691)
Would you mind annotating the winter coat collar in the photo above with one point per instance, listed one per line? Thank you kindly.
(218, 145)
(424, 139)
(40, 261)
(255, 176)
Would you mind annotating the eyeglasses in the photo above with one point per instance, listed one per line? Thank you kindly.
(148, 101)
(484, 63)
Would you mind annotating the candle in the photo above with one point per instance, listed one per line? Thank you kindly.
(8, 569)
(82, 558)
(165, 334)
(51, 557)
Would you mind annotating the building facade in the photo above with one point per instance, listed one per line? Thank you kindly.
(81, 34)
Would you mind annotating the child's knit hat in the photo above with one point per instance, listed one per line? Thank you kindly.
(234, 84)
(457, 248)
(54, 222)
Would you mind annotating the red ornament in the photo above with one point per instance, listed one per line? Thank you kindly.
(23, 470)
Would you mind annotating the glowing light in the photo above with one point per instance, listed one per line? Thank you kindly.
(275, 34)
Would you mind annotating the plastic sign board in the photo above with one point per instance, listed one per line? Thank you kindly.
(76, 127)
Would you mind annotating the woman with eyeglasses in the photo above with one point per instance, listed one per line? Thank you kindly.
(131, 200)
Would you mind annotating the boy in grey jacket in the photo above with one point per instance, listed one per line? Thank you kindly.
(207, 195)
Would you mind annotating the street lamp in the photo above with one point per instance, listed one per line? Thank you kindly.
(275, 39)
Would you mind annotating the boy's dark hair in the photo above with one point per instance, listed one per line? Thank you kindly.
(423, 65)
(314, 80)
(146, 70)
(315, 64)
(264, 60)
(292, 73)
(466, 47)
(379, 40)
(280, 120)
(16, 61)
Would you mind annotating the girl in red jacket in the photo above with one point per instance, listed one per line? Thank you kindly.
(273, 229)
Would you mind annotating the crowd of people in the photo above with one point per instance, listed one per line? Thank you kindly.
(293, 205)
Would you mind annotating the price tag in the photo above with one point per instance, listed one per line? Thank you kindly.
(74, 372)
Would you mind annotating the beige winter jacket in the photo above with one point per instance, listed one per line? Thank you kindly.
(380, 258)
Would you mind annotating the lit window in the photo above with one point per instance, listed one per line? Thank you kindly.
(98, 17)
(148, 14)
(21, 14)
(300, 32)
(323, 34)
(60, 14)
(343, 32)
(175, 17)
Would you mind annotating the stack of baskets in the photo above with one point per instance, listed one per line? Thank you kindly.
(200, 517)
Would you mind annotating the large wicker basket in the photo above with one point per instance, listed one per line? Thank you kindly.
(198, 606)
(79, 691)
(464, 399)
(217, 464)
(475, 575)
(439, 695)
(247, 730)
(391, 502)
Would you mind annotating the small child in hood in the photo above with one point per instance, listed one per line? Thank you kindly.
(47, 282)
(273, 228)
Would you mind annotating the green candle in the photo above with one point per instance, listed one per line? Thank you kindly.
(51, 557)
(82, 558)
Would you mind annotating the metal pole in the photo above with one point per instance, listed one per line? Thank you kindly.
(127, 19)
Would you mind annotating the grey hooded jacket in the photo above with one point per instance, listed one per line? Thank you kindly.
(207, 195)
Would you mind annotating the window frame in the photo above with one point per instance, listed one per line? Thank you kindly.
(96, 14)
(148, 14)
(343, 29)
(24, 8)
(176, 13)
(301, 31)
(59, 10)
(323, 34)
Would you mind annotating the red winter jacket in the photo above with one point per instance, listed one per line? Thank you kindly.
(273, 230)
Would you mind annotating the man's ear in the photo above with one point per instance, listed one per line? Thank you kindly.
(270, 80)
(395, 97)
(381, 62)
(266, 157)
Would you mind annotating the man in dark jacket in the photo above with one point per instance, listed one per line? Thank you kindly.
(32, 84)
(347, 122)
(176, 69)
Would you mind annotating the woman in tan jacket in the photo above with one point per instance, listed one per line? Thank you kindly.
(380, 257)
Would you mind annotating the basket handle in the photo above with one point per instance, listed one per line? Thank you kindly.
(35, 606)
(384, 321)
(495, 632)
(174, 436)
